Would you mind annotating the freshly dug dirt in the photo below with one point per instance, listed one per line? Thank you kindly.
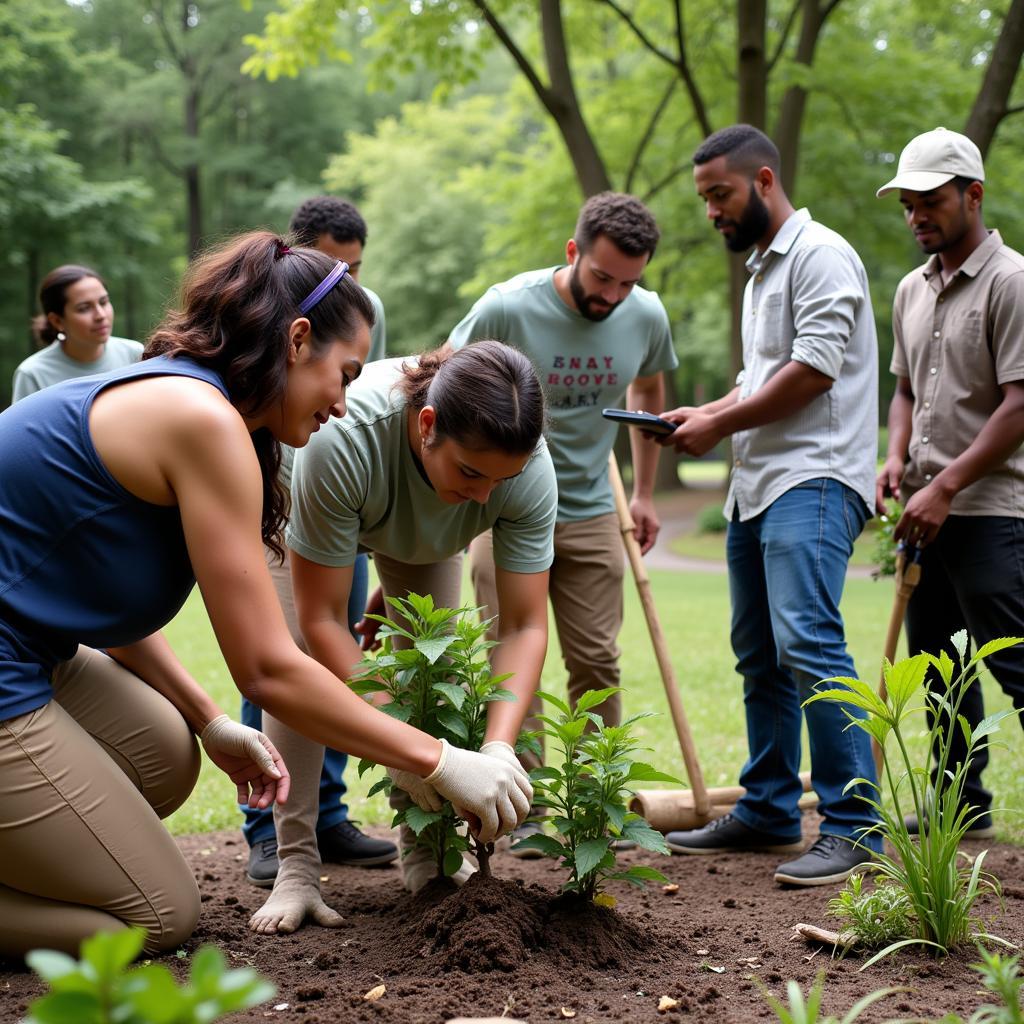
(511, 946)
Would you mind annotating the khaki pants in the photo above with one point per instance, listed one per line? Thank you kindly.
(86, 780)
(586, 597)
(295, 821)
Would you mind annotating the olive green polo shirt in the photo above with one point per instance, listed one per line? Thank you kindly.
(957, 344)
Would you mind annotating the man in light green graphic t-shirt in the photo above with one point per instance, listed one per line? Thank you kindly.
(597, 340)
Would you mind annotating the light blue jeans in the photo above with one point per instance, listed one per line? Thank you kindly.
(787, 567)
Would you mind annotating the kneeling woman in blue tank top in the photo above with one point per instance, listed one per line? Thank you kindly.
(117, 493)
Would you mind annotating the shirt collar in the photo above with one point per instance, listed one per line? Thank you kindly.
(784, 238)
(973, 264)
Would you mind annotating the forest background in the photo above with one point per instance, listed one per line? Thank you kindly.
(135, 132)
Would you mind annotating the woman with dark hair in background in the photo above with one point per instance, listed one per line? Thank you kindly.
(431, 453)
(72, 332)
(117, 494)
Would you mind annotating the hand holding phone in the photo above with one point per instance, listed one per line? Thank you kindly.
(643, 420)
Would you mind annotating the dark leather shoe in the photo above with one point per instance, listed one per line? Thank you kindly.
(345, 844)
(263, 863)
(726, 835)
(828, 859)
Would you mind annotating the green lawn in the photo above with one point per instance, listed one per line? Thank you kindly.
(694, 610)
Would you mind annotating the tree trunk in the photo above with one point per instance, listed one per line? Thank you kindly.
(990, 105)
(191, 172)
(563, 104)
(794, 101)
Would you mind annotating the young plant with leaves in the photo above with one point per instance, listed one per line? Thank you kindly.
(440, 681)
(941, 885)
(885, 549)
(588, 793)
(799, 1010)
(872, 917)
(102, 987)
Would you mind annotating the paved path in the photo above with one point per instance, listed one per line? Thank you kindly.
(678, 512)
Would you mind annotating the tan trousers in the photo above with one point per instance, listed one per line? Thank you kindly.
(586, 597)
(295, 821)
(86, 780)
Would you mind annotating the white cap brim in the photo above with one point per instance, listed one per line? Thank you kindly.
(916, 181)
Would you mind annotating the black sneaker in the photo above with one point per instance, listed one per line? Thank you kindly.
(726, 834)
(524, 831)
(345, 844)
(982, 828)
(829, 859)
(263, 863)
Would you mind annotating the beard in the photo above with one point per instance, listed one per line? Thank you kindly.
(591, 307)
(752, 225)
(947, 239)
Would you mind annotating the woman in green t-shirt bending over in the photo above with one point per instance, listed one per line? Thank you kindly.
(431, 453)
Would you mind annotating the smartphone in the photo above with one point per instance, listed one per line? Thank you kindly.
(643, 420)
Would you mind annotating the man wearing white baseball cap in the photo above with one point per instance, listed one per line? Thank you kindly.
(956, 426)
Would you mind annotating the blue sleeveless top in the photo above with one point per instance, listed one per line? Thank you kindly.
(81, 559)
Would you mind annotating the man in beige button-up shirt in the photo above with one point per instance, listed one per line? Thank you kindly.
(956, 424)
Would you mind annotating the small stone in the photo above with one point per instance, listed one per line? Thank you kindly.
(375, 993)
(666, 1003)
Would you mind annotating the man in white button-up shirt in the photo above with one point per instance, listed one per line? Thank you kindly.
(803, 421)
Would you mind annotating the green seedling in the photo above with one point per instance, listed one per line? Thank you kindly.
(941, 884)
(873, 917)
(587, 794)
(103, 988)
(799, 1010)
(434, 673)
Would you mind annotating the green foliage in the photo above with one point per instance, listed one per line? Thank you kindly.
(942, 886)
(875, 916)
(440, 683)
(885, 545)
(808, 1011)
(102, 987)
(711, 519)
(588, 795)
(1000, 975)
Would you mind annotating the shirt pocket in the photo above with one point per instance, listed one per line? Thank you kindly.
(771, 334)
(967, 331)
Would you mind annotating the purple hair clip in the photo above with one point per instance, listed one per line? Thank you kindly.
(336, 274)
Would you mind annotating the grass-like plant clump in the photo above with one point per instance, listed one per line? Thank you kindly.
(941, 884)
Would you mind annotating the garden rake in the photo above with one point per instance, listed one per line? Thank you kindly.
(667, 809)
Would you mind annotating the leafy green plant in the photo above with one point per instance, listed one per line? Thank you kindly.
(884, 554)
(1000, 975)
(442, 684)
(102, 988)
(941, 884)
(588, 793)
(875, 916)
(808, 1011)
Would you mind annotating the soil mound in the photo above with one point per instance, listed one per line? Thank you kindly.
(492, 924)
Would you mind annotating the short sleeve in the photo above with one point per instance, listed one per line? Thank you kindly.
(661, 354)
(486, 320)
(898, 365)
(23, 385)
(1006, 328)
(329, 482)
(524, 532)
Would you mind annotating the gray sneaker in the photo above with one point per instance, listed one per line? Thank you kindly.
(263, 863)
(829, 859)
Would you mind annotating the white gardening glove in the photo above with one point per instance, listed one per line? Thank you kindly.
(487, 787)
(424, 796)
(249, 759)
(503, 752)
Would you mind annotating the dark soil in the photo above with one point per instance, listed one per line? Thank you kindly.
(511, 946)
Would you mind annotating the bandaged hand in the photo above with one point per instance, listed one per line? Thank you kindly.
(249, 759)
(488, 787)
(422, 793)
